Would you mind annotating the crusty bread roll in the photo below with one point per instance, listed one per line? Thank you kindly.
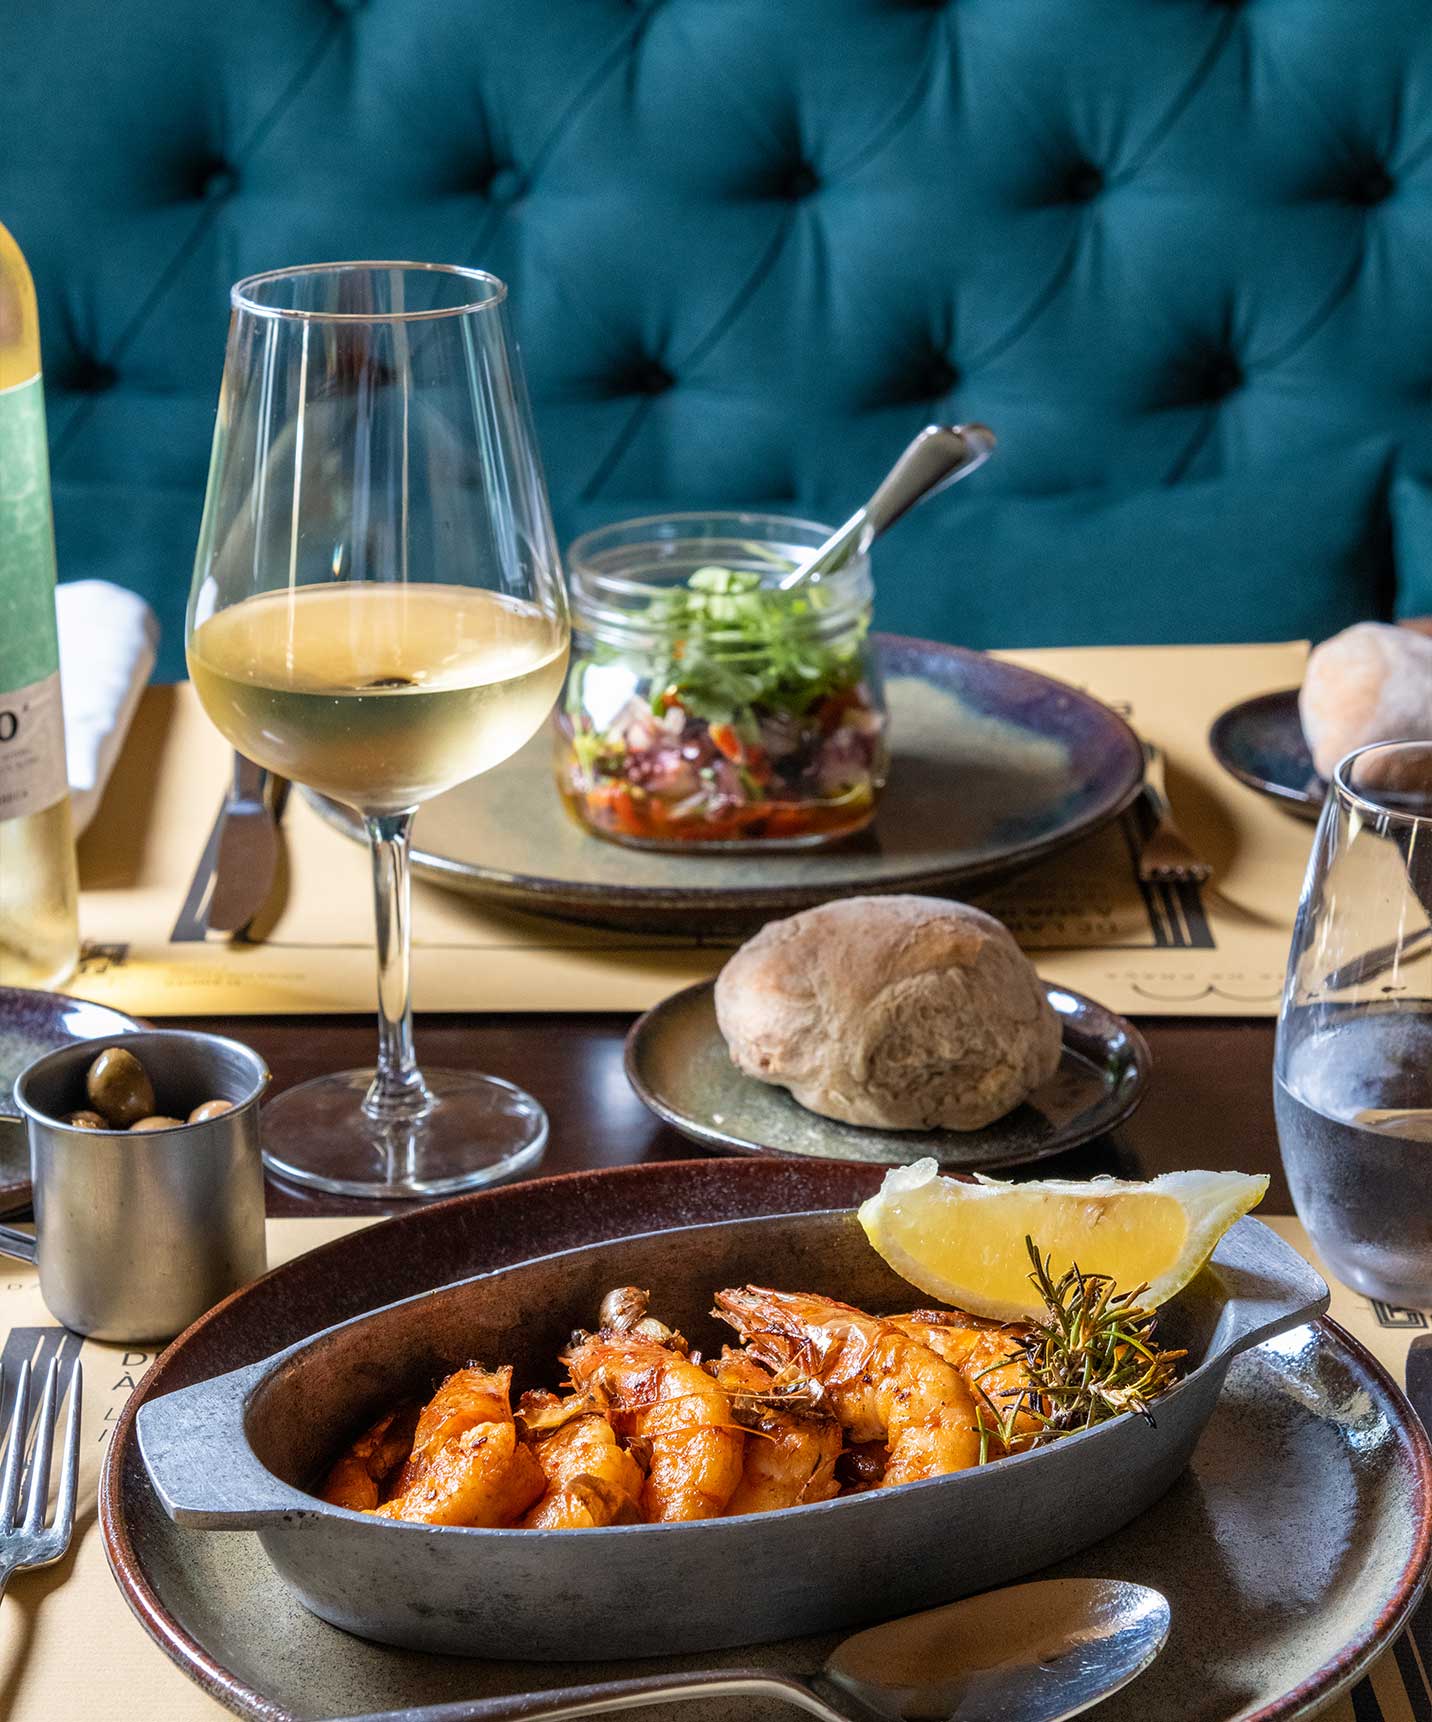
(1372, 682)
(904, 1013)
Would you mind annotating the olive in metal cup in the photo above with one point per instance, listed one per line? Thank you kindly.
(137, 1233)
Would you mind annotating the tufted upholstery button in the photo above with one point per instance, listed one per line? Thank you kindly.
(90, 376)
(1083, 183)
(1222, 374)
(647, 377)
(942, 376)
(507, 185)
(1373, 184)
(801, 180)
(218, 181)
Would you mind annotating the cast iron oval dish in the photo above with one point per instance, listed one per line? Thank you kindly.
(239, 1453)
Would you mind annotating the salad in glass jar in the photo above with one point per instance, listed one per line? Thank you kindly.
(705, 706)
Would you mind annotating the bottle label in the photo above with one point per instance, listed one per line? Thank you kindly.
(32, 749)
(29, 644)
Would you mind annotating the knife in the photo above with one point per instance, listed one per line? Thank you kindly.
(1419, 1378)
(247, 856)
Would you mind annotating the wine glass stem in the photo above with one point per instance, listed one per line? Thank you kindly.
(397, 1092)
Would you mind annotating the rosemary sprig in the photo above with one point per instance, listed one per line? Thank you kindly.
(1093, 1356)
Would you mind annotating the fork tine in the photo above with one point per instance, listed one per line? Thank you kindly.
(70, 1462)
(15, 1449)
(37, 1484)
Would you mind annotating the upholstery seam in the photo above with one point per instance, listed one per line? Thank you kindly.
(1316, 319)
(1037, 306)
(612, 459)
(885, 135)
(742, 296)
(625, 49)
(1180, 104)
(207, 216)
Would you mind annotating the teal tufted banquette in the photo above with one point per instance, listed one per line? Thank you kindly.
(1177, 252)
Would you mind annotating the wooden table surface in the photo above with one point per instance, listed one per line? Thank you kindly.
(1209, 1104)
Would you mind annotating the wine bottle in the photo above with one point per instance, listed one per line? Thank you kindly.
(39, 919)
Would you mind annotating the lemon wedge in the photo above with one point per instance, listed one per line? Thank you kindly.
(964, 1243)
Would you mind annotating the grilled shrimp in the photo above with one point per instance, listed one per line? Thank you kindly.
(357, 1479)
(881, 1383)
(468, 1466)
(591, 1479)
(791, 1450)
(655, 1395)
(989, 1354)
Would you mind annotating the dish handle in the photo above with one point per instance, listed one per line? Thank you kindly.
(1268, 1289)
(198, 1457)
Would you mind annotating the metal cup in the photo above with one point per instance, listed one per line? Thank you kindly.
(137, 1233)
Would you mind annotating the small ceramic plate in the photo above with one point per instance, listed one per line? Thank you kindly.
(994, 766)
(1292, 1551)
(1260, 742)
(32, 1023)
(677, 1062)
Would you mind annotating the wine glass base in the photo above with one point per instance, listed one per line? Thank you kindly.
(479, 1129)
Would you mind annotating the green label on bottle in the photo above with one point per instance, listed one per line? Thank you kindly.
(29, 645)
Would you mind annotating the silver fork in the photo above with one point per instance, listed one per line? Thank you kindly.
(1166, 856)
(30, 1543)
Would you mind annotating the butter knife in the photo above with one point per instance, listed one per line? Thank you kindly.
(247, 857)
(1419, 1378)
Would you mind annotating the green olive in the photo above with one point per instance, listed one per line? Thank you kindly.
(86, 1120)
(156, 1122)
(119, 1088)
(210, 1109)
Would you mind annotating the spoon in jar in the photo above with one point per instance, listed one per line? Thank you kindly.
(1037, 1652)
(935, 459)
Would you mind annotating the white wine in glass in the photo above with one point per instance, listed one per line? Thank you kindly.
(378, 613)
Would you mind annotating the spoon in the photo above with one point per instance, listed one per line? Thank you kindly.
(935, 459)
(1030, 1653)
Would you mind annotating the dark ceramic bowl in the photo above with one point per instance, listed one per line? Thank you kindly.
(1260, 742)
(240, 1452)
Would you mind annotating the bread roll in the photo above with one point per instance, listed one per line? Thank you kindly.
(902, 1013)
(1372, 682)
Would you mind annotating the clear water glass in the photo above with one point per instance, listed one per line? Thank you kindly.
(378, 612)
(1353, 1065)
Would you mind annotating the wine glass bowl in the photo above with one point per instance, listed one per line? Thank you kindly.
(378, 612)
(1353, 1063)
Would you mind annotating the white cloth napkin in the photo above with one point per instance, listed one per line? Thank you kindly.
(108, 640)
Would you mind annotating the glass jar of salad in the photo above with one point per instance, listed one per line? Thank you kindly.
(704, 706)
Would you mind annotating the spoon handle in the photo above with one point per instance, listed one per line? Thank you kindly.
(560, 1704)
(937, 457)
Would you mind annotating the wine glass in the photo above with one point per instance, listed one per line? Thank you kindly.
(378, 613)
(1352, 1070)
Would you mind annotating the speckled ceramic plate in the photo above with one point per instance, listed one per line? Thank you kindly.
(1260, 742)
(994, 766)
(677, 1062)
(1292, 1551)
(32, 1023)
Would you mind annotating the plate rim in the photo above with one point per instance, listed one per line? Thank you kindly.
(1265, 786)
(200, 1665)
(17, 1193)
(1141, 1066)
(534, 891)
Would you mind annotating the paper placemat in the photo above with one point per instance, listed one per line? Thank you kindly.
(1082, 915)
(69, 1646)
